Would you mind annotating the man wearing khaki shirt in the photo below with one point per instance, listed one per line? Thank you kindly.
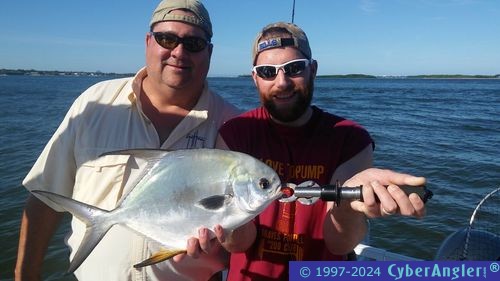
(167, 105)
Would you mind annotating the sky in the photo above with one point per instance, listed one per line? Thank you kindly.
(376, 37)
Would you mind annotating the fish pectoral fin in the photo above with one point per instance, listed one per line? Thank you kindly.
(214, 202)
(159, 257)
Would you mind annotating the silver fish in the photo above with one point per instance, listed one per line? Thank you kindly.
(179, 192)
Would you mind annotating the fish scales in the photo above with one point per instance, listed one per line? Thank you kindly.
(179, 182)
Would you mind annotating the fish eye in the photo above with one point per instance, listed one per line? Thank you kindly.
(264, 183)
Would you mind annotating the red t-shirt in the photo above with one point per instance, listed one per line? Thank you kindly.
(291, 231)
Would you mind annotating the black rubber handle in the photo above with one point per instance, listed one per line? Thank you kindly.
(336, 193)
(422, 192)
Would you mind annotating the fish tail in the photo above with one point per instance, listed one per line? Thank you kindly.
(96, 219)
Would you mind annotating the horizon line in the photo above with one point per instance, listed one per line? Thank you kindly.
(11, 71)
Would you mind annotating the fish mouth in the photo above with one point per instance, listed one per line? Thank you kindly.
(276, 196)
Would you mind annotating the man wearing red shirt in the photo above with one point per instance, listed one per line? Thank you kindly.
(302, 142)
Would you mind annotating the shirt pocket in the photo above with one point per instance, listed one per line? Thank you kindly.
(100, 182)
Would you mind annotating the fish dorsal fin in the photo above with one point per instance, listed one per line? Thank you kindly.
(152, 156)
(214, 202)
(159, 257)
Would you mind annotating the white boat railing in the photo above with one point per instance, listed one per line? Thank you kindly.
(366, 252)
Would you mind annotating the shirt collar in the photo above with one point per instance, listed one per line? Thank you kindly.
(134, 95)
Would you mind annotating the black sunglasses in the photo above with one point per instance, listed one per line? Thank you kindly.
(291, 68)
(171, 41)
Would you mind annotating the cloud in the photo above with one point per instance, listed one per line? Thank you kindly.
(368, 6)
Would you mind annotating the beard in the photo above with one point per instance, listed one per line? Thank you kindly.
(294, 111)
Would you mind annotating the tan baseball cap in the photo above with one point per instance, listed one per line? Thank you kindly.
(201, 18)
(298, 40)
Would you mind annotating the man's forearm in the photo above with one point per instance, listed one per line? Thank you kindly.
(343, 229)
(38, 225)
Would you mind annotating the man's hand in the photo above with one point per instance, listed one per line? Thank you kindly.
(204, 244)
(392, 199)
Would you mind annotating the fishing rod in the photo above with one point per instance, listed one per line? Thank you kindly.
(293, 11)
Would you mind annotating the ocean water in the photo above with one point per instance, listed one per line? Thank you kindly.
(446, 130)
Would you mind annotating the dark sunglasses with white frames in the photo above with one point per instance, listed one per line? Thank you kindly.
(291, 68)
(170, 41)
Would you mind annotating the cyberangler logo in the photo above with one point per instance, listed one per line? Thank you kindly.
(423, 270)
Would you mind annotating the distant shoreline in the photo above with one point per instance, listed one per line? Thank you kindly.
(33, 72)
(427, 76)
